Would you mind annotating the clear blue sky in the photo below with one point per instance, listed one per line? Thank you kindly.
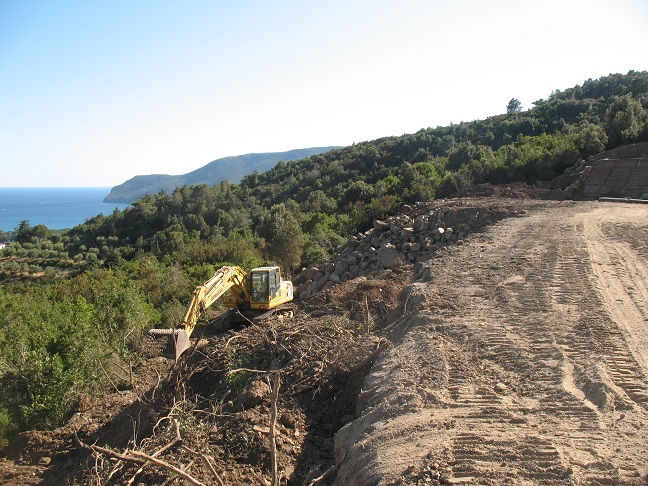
(94, 92)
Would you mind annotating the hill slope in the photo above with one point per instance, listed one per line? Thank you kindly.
(231, 168)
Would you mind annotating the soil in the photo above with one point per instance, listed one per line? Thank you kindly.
(522, 358)
(517, 357)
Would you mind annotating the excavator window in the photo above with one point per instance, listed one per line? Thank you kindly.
(274, 283)
(260, 286)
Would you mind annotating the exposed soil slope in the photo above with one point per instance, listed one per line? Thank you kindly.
(521, 358)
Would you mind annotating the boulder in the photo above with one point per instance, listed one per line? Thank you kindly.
(407, 232)
(341, 266)
(389, 257)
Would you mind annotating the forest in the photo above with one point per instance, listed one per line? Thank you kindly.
(76, 303)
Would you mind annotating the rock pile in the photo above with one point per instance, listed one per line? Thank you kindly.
(418, 232)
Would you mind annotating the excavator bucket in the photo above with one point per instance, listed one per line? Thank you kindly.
(168, 342)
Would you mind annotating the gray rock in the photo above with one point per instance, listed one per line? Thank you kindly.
(389, 257)
(341, 266)
(438, 231)
(406, 232)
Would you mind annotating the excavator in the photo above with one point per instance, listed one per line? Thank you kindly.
(250, 297)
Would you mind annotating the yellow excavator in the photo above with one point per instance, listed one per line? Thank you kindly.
(250, 297)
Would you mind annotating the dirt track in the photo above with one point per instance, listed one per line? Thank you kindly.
(521, 358)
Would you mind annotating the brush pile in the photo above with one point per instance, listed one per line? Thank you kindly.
(216, 419)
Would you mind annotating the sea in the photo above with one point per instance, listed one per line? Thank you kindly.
(54, 207)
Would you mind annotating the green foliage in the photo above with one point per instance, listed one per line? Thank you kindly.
(514, 106)
(47, 355)
(75, 300)
(452, 183)
(321, 236)
(196, 223)
(626, 120)
(538, 158)
(241, 444)
(7, 427)
(236, 380)
(283, 230)
(57, 340)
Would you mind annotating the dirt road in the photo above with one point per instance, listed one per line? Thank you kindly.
(521, 358)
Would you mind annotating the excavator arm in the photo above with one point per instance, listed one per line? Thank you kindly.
(227, 278)
(231, 279)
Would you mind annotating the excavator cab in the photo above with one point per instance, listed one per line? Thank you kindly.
(267, 289)
(259, 286)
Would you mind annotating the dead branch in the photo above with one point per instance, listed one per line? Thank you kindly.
(116, 469)
(157, 424)
(311, 475)
(262, 372)
(367, 316)
(167, 466)
(216, 476)
(327, 473)
(231, 339)
(209, 464)
(138, 457)
(175, 441)
(370, 358)
(107, 452)
(323, 477)
(108, 376)
(157, 385)
(273, 423)
(96, 468)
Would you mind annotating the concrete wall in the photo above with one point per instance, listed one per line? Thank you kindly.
(618, 177)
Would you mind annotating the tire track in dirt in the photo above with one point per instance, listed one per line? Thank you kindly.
(623, 285)
(524, 314)
(544, 368)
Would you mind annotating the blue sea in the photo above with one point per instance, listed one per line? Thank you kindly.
(55, 207)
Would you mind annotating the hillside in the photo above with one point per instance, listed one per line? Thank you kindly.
(321, 200)
(521, 357)
(231, 168)
(481, 367)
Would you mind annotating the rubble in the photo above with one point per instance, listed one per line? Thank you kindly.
(416, 234)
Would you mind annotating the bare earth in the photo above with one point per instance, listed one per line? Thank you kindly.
(521, 357)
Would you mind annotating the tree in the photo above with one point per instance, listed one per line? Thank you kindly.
(23, 231)
(514, 106)
(285, 237)
(626, 119)
(460, 155)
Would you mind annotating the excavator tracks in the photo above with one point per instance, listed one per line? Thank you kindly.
(577, 357)
(544, 326)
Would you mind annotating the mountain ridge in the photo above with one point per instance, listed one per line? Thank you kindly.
(231, 168)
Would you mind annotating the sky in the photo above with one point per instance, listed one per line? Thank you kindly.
(93, 93)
